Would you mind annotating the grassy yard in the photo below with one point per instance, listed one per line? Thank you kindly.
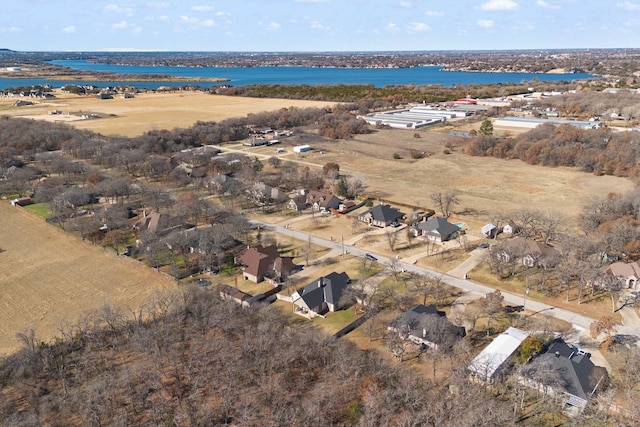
(40, 209)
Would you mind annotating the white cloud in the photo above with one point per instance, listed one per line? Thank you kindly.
(405, 4)
(202, 8)
(499, 5)
(627, 5)
(433, 13)
(485, 23)
(158, 5)
(315, 25)
(418, 27)
(189, 20)
(273, 26)
(122, 25)
(70, 29)
(311, 1)
(115, 8)
(10, 30)
(546, 5)
(208, 23)
(391, 27)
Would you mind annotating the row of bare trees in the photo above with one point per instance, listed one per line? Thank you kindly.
(188, 359)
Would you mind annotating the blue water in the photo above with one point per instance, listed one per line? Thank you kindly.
(378, 77)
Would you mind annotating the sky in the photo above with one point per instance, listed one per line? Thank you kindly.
(317, 25)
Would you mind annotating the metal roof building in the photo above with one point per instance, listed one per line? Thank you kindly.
(486, 365)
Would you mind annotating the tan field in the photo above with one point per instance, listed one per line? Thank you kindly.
(48, 276)
(147, 111)
(487, 187)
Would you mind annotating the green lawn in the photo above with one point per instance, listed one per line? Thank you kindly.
(40, 209)
(335, 321)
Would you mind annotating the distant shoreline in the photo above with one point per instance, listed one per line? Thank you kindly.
(109, 77)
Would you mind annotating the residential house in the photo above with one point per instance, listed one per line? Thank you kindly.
(321, 295)
(530, 252)
(320, 201)
(437, 229)
(381, 216)
(151, 222)
(265, 194)
(491, 362)
(234, 294)
(297, 203)
(629, 273)
(567, 371)
(259, 262)
(426, 326)
(244, 299)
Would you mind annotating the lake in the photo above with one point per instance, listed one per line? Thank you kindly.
(378, 77)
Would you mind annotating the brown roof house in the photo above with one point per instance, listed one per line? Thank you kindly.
(629, 273)
(150, 222)
(259, 262)
(322, 201)
(530, 252)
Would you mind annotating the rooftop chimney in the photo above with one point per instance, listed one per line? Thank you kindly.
(557, 354)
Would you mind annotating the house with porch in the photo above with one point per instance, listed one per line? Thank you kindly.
(628, 273)
(320, 201)
(437, 229)
(530, 252)
(322, 295)
(260, 262)
(426, 326)
(565, 371)
(381, 216)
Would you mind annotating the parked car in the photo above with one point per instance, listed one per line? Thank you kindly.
(395, 224)
(483, 246)
(325, 212)
(370, 257)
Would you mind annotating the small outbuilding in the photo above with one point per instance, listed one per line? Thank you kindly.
(301, 148)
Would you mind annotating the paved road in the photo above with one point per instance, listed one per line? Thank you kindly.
(579, 322)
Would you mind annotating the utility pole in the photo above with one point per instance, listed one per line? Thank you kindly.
(342, 241)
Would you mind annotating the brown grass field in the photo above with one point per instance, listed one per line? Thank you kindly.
(486, 186)
(48, 276)
(147, 111)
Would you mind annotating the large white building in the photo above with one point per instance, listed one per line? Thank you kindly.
(412, 118)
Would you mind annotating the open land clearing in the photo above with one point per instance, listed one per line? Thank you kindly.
(147, 111)
(487, 186)
(48, 276)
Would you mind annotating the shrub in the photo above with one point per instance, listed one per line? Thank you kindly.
(397, 156)
(446, 151)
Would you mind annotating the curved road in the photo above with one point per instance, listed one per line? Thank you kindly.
(579, 321)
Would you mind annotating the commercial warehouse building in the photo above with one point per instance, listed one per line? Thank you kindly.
(412, 118)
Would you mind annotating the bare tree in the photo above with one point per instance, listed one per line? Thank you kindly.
(392, 238)
(445, 201)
